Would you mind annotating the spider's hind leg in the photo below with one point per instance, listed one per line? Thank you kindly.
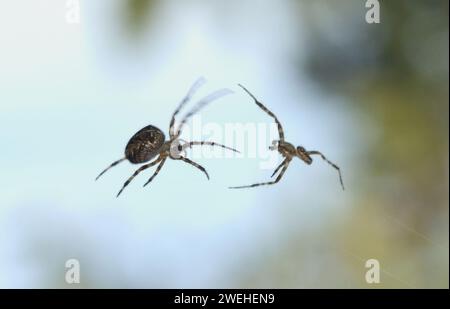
(143, 167)
(156, 172)
(112, 165)
(315, 152)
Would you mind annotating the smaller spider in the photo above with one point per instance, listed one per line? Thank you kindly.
(287, 150)
(150, 142)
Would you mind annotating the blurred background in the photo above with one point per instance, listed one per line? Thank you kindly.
(372, 97)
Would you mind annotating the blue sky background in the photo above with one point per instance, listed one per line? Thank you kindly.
(73, 94)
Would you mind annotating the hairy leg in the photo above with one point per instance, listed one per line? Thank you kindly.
(143, 167)
(266, 183)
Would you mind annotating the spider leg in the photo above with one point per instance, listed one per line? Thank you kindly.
(112, 165)
(266, 183)
(143, 167)
(279, 166)
(198, 83)
(195, 164)
(202, 103)
(201, 143)
(315, 152)
(156, 172)
(280, 128)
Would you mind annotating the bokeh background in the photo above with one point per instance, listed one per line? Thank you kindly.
(372, 97)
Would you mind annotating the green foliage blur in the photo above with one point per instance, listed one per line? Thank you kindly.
(395, 74)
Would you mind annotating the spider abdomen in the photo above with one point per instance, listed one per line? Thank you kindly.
(144, 145)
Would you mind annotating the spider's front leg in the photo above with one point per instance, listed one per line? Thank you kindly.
(280, 175)
(184, 159)
(207, 143)
(279, 166)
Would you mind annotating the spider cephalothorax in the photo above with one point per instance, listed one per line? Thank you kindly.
(149, 142)
(287, 150)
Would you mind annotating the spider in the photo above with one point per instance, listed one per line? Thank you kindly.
(287, 150)
(150, 142)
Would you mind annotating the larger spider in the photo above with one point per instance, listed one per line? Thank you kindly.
(150, 142)
(287, 150)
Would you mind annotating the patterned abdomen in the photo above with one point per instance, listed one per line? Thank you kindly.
(144, 145)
